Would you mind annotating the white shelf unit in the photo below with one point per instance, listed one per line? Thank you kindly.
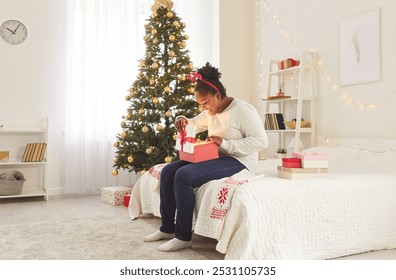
(298, 82)
(15, 140)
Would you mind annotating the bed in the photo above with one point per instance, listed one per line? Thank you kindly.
(352, 210)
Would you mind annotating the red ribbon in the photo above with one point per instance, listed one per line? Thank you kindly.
(194, 77)
(184, 138)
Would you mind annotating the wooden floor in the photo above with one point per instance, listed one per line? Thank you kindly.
(25, 210)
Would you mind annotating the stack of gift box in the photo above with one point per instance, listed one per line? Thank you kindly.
(303, 166)
(287, 63)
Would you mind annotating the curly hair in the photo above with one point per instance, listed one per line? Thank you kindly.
(212, 75)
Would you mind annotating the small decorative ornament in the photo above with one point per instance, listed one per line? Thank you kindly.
(186, 37)
(155, 100)
(183, 44)
(152, 82)
(114, 172)
(167, 89)
(155, 41)
(142, 63)
(145, 38)
(128, 97)
(123, 124)
(169, 14)
(128, 116)
(183, 24)
(191, 90)
(175, 137)
(168, 159)
(116, 144)
(176, 24)
(149, 151)
(155, 65)
(115, 159)
(145, 129)
(172, 38)
(141, 111)
(154, 31)
(191, 66)
(158, 127)
(171, 53)
(168, 114)
(130, 159)
(158, 3)
(182, 77)
(123, 134)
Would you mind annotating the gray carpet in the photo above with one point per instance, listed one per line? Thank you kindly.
(97, 238)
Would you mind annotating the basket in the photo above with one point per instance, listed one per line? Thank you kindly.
(11, 187)
(292, 124)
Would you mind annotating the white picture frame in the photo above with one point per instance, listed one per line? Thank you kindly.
(360, 49)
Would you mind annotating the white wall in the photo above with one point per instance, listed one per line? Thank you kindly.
(33, 73)
(314, 24)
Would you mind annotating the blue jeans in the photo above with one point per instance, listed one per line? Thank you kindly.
(177, 183)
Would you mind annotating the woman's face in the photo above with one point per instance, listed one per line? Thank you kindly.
(208, 102)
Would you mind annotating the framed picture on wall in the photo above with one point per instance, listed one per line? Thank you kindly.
(360, 49)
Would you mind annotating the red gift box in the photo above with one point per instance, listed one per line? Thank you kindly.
(203, 151)
(127, 198)
(291, 162)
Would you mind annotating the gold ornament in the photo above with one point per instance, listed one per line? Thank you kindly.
(158, 127)
(167, 89)
(123, 124)
(155, 100)
(169, 14)
(114, 172)
(130, 159)
(191, 66)
(182, 77)
(128, 97)
(175, 137)
(168, 159)
(116, 144)
(123, 134)
(154, 31)
(142, 63)
(172, 38)
(145, 38)
(155, 65)
(115, 159)
(191, 90)
(155, 41)
(149, 151)
(183, 44)
(183, 24)
(141, 111)
(171, 53)
(145, 129)
(158, 3)
(152, 82)
(128, 116)
(186, 37)
(168, 114)
(176, 24)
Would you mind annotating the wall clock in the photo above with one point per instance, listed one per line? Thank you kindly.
(13, 32)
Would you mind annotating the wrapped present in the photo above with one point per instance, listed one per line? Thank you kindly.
(127, 198)
(291, 162)
(192, 151)
(114, 195)
(287, 63)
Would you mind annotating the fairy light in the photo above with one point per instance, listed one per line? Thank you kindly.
(372, 105)
(326, 142)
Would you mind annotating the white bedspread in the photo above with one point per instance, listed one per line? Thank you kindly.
(351, 211)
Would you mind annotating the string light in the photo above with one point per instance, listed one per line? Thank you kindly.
(327, 143)
(344, 96)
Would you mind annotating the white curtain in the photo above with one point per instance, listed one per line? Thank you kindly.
(105, 40)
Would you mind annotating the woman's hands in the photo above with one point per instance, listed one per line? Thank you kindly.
(218, 140)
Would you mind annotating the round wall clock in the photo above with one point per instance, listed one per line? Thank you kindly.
(13, 32)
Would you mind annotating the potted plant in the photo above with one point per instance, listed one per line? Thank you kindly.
(281, 152)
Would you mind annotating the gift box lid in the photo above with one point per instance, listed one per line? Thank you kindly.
(310, 156)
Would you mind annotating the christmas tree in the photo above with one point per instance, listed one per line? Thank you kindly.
(161, 92)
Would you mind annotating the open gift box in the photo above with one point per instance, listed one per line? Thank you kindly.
(192, 151)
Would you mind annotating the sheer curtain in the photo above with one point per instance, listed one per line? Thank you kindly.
(105, 40)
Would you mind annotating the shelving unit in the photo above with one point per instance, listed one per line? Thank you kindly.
(15, 140)
(298, 82)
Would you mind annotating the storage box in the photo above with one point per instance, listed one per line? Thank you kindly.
(127, 198)
(192, 151)
(4, 155)
(114, 195)
(291, 162)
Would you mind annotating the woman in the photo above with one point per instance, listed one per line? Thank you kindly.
(235, 126)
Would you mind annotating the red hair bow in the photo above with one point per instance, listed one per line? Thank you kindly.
(195, 77)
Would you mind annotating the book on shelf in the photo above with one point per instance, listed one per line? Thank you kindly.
(274, 121)
(34, 152)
